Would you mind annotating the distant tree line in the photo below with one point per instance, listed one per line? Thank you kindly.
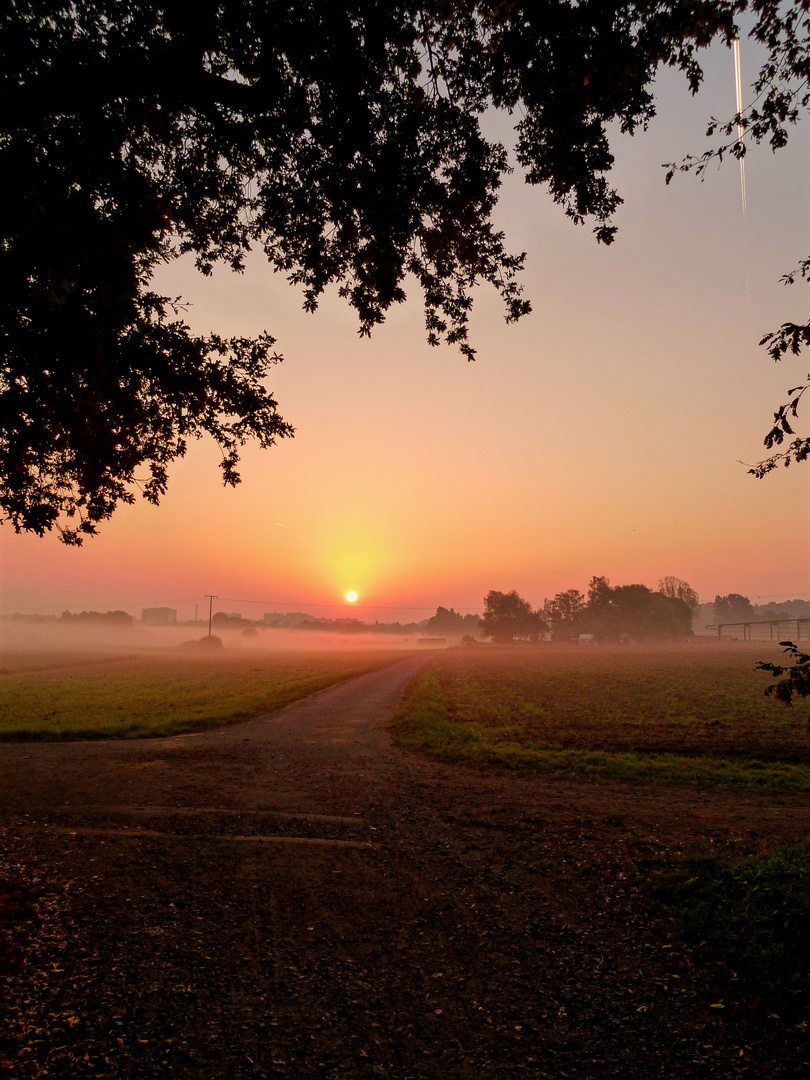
(738, 608)
(448, 621)
(624, 612)
(357, 626)
(104, 618)
(788, 609)
(636, 612)
(732, 608)
(340, 626)
(608, 613)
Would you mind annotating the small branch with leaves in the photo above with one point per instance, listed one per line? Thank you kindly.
(797, 450)
(793, 678)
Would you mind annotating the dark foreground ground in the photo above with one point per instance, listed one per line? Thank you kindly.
(294, 897)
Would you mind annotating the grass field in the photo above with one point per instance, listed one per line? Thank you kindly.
(691, 714)
(90, 695)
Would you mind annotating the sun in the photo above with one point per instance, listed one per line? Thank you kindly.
(351, 596)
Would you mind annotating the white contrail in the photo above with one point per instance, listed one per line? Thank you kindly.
(740, 128)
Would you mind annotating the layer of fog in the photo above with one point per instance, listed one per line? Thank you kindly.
(51, 635)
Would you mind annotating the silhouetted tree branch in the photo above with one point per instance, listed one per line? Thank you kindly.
(341, 139)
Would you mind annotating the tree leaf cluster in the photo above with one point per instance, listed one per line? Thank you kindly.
(793, 678)
(345, 141)
(799, 448)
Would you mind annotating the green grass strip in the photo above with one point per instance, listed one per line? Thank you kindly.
(147, 697)
(423, 724)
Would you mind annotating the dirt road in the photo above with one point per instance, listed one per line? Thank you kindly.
(294, 897)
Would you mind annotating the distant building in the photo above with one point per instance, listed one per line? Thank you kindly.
(159, 616)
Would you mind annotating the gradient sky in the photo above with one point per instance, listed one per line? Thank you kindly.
(604, 434)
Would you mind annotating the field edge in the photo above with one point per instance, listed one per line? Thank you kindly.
(423, 724)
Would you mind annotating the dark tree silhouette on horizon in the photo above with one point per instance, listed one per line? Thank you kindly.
(678, 589)
(732, 608)
(341, 139)
(634, 612)
(450, 621)
(564, 613)
(508, 616)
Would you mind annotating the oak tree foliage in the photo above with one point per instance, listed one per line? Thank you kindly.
(344, 140)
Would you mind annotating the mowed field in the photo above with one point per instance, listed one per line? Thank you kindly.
(693, 713)
(93, 694)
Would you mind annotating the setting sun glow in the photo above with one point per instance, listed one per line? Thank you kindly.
(351, 597)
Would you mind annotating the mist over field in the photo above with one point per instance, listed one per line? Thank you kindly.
(24, 636)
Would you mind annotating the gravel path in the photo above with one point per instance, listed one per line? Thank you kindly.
(295, 897)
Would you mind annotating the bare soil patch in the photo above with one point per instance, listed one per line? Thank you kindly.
(165, 914)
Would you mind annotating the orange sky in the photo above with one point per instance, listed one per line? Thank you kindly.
(603, 434)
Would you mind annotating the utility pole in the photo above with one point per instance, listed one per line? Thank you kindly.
(211, 600)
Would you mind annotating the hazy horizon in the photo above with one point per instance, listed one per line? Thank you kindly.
(186, 613)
